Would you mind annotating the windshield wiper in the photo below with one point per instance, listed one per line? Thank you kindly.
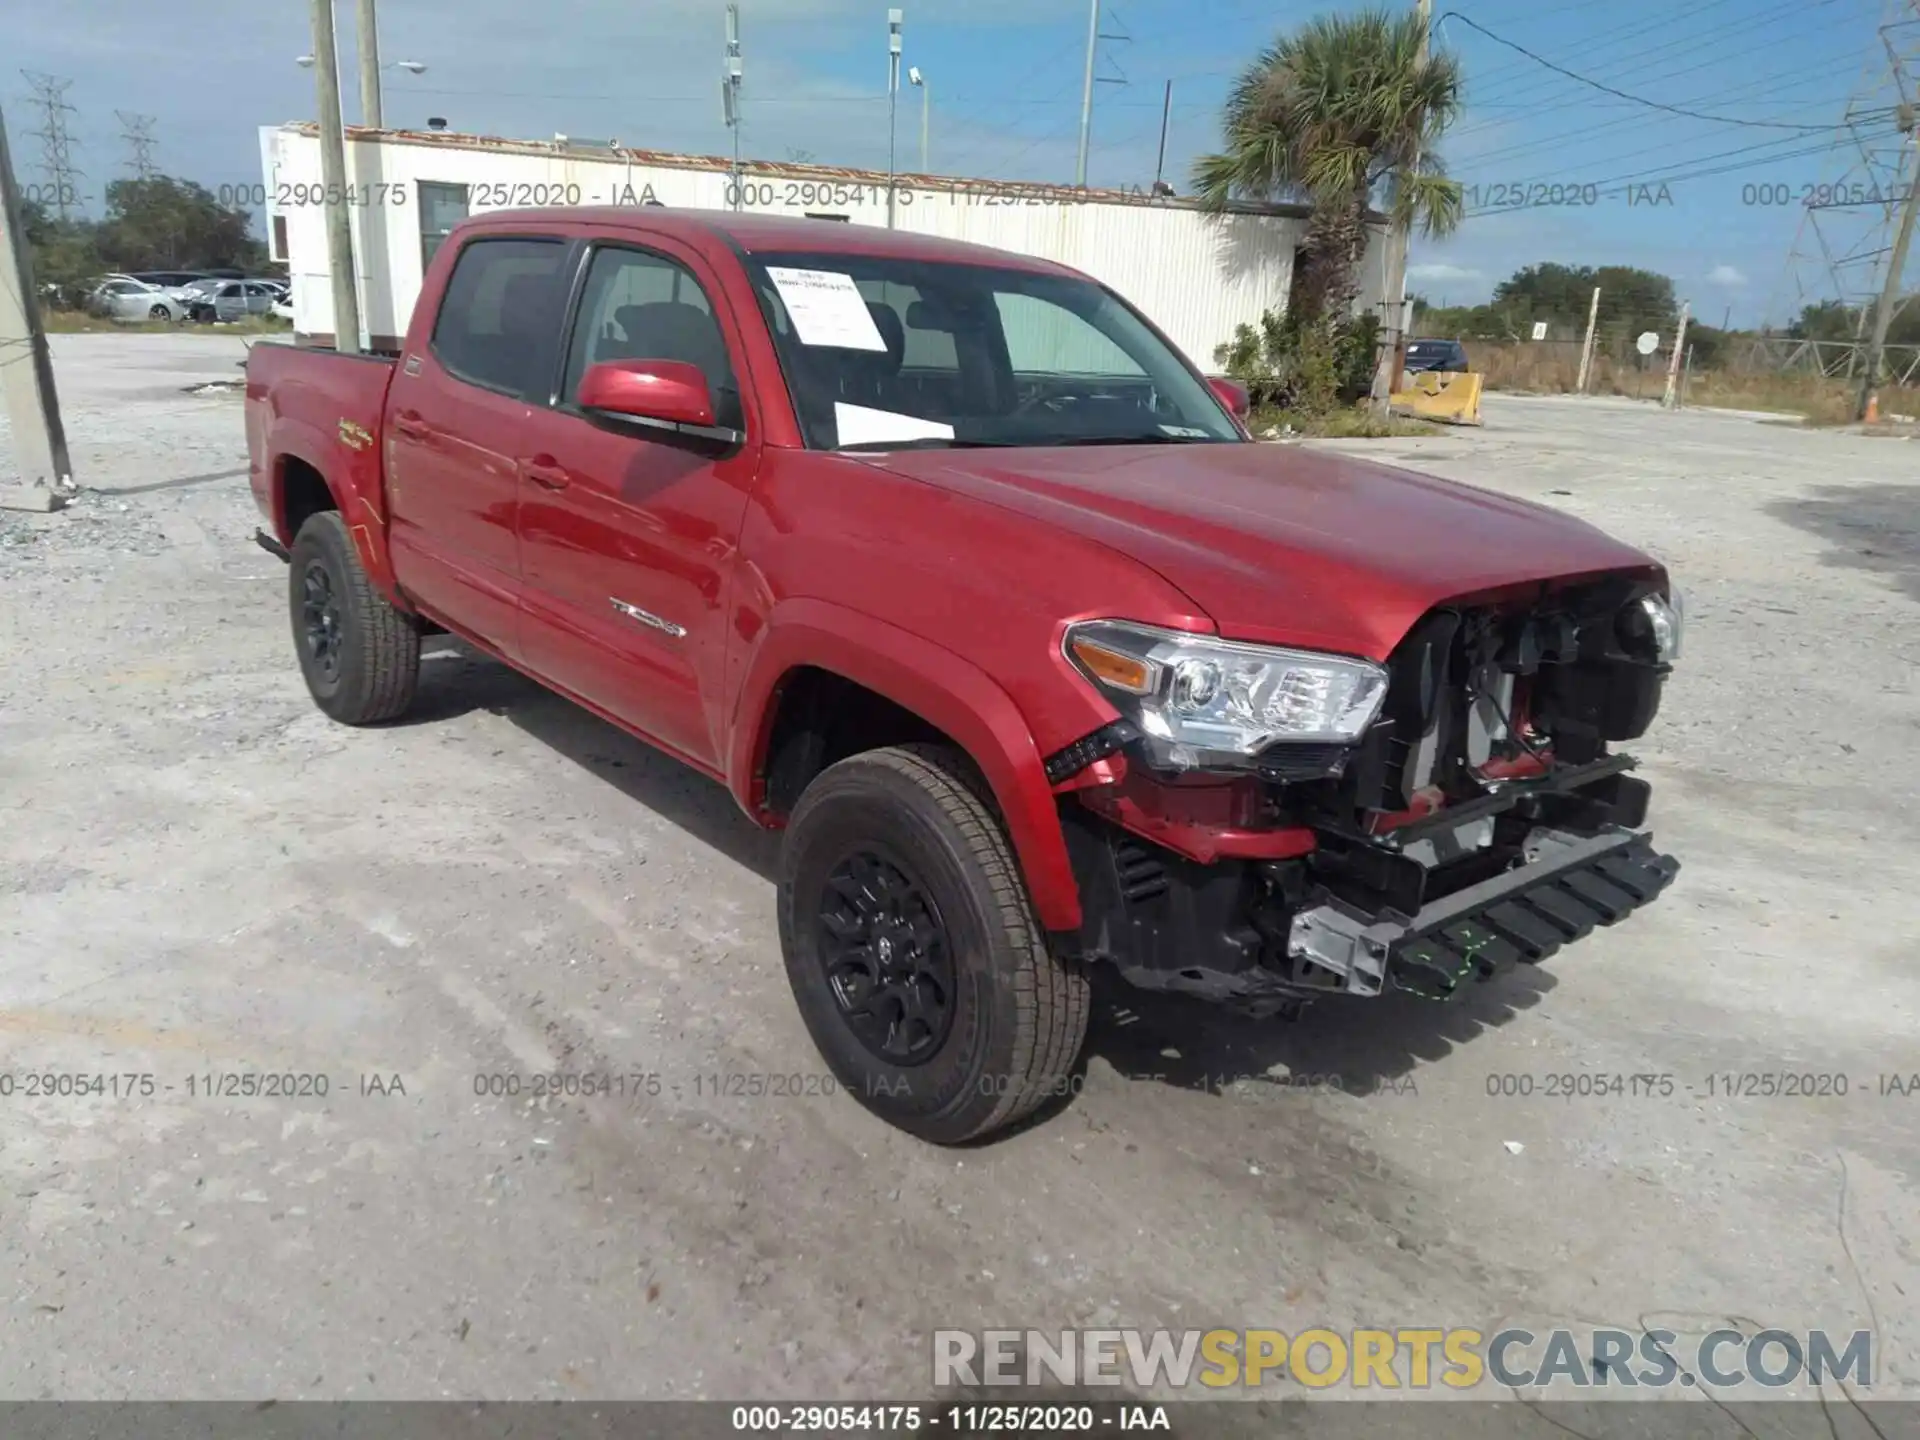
(1147, 438)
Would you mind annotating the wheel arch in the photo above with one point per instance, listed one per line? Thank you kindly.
(306, 482)
(815, 648)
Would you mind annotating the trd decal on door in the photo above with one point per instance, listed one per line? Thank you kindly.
(647, 617)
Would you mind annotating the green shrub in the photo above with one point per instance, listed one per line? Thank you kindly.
(1287, 365)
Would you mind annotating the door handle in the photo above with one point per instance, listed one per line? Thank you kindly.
(546, 472)
(412, 427)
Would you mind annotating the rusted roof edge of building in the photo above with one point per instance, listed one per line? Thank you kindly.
(797, 170)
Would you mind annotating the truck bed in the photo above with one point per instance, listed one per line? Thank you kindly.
(307, 403)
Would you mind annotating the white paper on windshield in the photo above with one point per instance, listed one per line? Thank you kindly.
(859, 425)
(826, 309)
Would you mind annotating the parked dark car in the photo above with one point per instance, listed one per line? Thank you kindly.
(1447, 355)
(168, 279)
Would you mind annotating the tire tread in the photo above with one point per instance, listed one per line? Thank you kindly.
(1052, 999)
(388, 648)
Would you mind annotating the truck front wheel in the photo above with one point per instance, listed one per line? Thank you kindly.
(360, 656)
(913, 951)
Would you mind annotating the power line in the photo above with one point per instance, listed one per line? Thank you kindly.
(1684, 41)
(1806, 70)
(56, 145)
(1775, 84)
(1622, 94)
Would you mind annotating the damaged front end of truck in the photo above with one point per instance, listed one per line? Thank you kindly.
(1265, 827)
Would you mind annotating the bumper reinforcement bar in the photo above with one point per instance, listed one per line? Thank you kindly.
(1521, 915)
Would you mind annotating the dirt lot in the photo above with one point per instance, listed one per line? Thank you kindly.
(200, 875)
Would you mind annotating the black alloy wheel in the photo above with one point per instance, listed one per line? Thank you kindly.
(887, 958)
(320, 621)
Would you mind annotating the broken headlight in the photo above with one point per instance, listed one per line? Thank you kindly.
(1651, 627)
(1206, 703)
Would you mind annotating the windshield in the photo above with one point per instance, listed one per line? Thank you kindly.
(885, 352)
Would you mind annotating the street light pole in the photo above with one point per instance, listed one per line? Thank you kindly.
(372, 113)
(333, 182)
(894, 17)
(919, 82)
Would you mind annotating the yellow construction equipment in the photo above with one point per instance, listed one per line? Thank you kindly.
(1446, 396)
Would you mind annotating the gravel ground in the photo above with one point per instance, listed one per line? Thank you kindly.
(199, 875)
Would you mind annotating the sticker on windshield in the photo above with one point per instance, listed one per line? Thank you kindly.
(859, 425)
(1185, 431)
(826, 309)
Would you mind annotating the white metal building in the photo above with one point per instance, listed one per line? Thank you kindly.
(1197, 275)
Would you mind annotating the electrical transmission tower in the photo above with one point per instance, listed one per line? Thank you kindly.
(56, 145)
(137, 131)
(1847, 223)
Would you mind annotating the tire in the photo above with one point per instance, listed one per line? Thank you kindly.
(159, 312)
(360, 656)
(1009, 1034)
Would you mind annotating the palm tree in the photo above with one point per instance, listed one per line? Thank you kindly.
(1342, 111)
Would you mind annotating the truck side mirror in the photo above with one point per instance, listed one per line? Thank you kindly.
(1232, 394)
(671, 391)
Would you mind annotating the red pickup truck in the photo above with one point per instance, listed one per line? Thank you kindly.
(945, 561)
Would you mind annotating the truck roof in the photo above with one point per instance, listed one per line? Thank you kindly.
(750, 233)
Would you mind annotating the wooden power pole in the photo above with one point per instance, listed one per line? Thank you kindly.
(1586, 348)
(1890, 291)
(45, 476)
(1399, 241)
(333, 182)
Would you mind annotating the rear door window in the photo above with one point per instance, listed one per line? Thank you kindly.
(499, 320)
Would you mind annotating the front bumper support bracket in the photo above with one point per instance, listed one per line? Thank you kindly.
(1572, 884)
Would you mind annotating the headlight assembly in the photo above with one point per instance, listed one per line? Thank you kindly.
(1205, 703)
(1653, 623)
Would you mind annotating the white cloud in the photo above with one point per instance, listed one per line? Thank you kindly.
(1437, 271)
(1726, 275)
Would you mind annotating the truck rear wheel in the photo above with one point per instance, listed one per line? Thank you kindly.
(913, 951)
(360, 656)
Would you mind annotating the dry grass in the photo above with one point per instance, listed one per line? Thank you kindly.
(1356, 422)
(78, 322)
(1544, 370)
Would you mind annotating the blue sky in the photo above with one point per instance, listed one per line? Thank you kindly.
(1634, 183)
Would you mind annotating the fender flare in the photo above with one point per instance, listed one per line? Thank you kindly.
(354, 496)
(942, 689)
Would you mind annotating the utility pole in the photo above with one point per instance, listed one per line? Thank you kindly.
(1166, 112)
(1086, 92)
(1586, 349)
(1399, 241)
(1890, 291)
(333, 180)
(894, 18)
(45, 476)
(1672, 396)
(371, 111)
